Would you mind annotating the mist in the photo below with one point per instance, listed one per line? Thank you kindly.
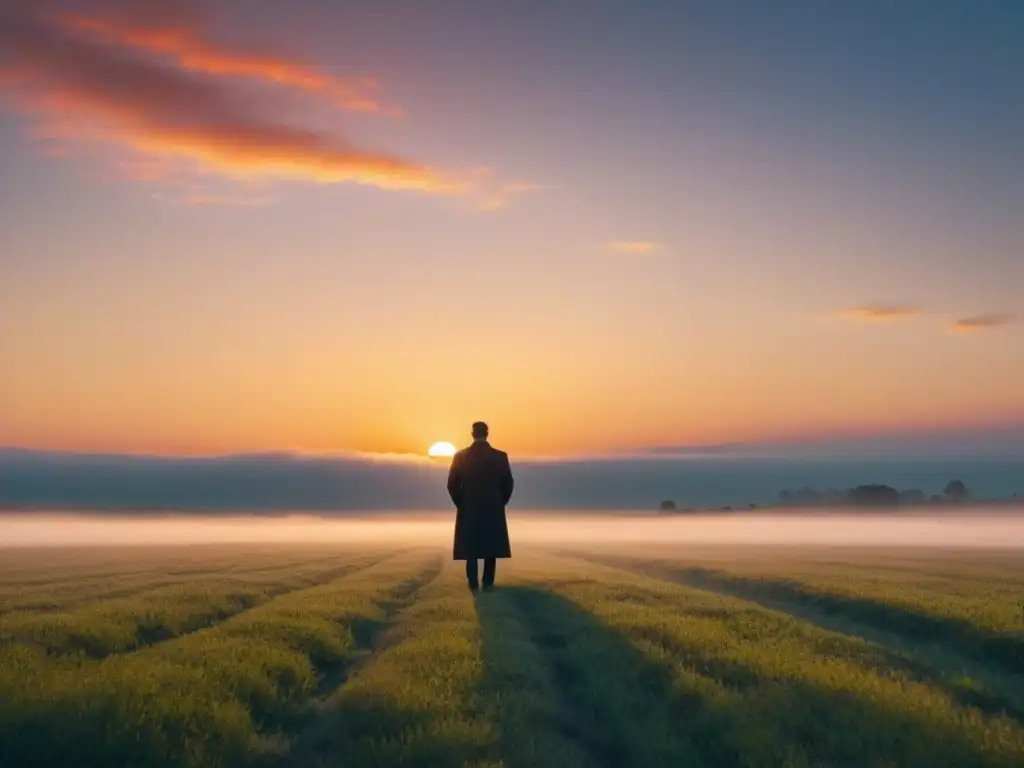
(280, 483)
(973, 528)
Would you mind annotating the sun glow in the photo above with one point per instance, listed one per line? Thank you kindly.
(441, 450)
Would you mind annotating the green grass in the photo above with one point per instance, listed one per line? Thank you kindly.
(147, 615)
(287, 657)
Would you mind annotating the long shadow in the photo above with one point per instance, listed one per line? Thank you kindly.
(941, 665)
(604, 703)
(669, 705)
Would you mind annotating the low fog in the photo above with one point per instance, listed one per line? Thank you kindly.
(969, 528)
(278, 484)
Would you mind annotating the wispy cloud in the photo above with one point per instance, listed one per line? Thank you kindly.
(631, 246)
(143, 77)
(981, 322)
(880, 313)
(195, 53)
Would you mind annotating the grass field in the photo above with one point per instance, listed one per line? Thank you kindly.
(321, 656)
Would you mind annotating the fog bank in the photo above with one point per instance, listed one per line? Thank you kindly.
(975, 528)
(278, 483)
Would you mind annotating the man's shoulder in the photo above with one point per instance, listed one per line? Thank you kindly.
(481, 450)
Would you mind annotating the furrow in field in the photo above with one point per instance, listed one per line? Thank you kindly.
(220, 696)
(122, 625)
(751, 685)
(76, 590)
(75, 578)
(52, 571)
(915, 627)
(458, 680)
(42, 569)
(85, 592)
(335, 719)
(367, 632)
(967, 680)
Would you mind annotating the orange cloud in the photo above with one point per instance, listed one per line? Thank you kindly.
(980, 322)
(104, 93)
(194, 53)
(880, 312)
(631, 246)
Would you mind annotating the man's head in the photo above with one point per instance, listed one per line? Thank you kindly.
(479, 430)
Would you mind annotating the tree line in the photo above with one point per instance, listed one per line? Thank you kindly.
(870, 495)
(873, 495)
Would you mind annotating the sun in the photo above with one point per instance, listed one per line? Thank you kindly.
(441, 450)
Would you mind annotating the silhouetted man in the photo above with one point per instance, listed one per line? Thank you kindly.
(480, 484)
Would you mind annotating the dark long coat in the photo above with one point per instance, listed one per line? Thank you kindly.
(480, 484)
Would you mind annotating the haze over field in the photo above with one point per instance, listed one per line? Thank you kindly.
(967, 528)
(277, 483)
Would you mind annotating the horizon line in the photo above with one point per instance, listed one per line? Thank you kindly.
(849, 449)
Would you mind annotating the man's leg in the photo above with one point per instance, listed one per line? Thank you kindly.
(471, 572)
(490, 564)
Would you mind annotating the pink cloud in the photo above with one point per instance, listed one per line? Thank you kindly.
(100, 92)
(981, 322)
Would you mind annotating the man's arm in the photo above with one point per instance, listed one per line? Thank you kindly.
(507, 483)
(455, 481)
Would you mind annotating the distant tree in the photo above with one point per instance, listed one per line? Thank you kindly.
(834, 497)
(956, 491)
(809, 497)
(913, 496)
(667, 506)
(801, 497)
(874, 496)
(938, 498)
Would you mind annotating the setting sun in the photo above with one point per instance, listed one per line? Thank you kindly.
(441, 450)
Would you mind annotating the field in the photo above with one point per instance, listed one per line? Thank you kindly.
(279, 656)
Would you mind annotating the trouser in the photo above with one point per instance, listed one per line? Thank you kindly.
(489, 565)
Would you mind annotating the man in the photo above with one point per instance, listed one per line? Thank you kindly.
(480, 484)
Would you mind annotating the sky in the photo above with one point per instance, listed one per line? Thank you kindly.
(335, 227)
